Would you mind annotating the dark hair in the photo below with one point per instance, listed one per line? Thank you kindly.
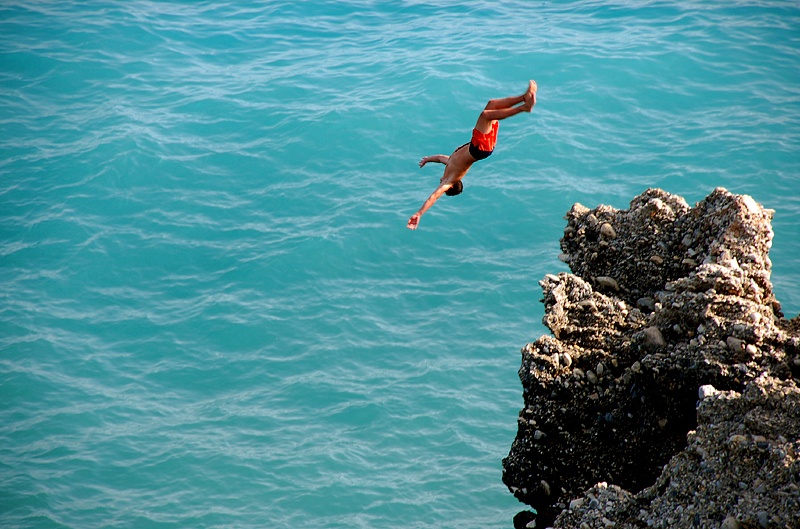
(457, 188)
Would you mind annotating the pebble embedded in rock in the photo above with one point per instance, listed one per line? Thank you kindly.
(706, 391)
(646, 303)
(737, 439)
(566, 359)
(734, 344)
(608, 282)
(591, 377)
(577, 503)
(546, 487)
(729, 523)
(607, 231)
(653, 336)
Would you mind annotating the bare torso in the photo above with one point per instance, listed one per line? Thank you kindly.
(457, 166)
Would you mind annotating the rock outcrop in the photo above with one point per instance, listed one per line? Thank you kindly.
(667, 395)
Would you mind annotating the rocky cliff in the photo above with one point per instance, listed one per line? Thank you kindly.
(667, 395)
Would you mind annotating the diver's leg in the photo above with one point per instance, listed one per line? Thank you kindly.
(498, 109)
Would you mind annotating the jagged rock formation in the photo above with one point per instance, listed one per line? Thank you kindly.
(668, 393)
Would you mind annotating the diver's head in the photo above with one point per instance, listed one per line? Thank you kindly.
(457, 188)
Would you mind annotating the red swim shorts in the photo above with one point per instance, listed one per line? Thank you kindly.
(482, 144)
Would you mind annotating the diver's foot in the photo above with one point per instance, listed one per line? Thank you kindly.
(529, 97)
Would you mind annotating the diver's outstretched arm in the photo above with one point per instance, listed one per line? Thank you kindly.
(414, 220)
(438, 158)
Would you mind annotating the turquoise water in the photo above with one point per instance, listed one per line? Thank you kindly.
(212, 314)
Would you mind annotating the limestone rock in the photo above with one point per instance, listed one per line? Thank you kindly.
(681, 375)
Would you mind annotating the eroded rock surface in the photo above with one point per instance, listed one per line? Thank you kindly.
(667, 306)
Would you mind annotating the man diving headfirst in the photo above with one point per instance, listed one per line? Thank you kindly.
(484, 138)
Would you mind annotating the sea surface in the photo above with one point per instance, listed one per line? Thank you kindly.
(211, 311)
